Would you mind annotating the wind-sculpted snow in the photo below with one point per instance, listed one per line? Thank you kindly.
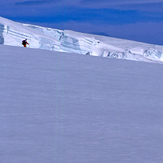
(12, 33)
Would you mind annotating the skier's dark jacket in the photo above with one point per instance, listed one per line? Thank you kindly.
(24, 42)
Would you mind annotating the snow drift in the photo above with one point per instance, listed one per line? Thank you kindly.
(12, 33)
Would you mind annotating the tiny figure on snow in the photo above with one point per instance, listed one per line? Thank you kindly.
(24, 43)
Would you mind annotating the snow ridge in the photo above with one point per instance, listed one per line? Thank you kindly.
(12, 33)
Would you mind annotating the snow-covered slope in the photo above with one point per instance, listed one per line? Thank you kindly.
(69, 108)
(12, 33)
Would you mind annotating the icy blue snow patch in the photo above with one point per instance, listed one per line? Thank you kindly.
(1, 33)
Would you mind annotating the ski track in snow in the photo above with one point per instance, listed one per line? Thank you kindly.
(12, 33)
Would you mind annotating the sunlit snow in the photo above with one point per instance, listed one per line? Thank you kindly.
(12, 33)
(58, 107)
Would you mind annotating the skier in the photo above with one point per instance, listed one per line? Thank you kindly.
(24, 43)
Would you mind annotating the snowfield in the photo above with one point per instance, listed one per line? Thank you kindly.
(68, 108)
(58, 107)
(12, 33)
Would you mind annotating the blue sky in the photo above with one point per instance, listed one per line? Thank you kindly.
(141, 20)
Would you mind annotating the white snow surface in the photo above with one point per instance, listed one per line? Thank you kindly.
(12, 33)
(68, 108)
